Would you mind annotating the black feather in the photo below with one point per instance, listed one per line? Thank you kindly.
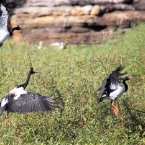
(31, 102)
(113, 78)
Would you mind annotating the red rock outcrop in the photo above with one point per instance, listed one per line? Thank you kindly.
(75, 21)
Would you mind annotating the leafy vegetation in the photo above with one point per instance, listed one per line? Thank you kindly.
(77, 72)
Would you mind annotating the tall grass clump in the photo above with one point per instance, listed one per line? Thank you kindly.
(77, 72)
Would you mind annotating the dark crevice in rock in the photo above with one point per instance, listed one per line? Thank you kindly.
(85, 28)
(94, 27)
(129, 2)
(15, 3)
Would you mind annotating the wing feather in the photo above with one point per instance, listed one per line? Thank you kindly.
(110, 83)
(42, 107)
(4, 16)
(31, 102)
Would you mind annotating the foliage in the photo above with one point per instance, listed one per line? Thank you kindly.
(77, 72)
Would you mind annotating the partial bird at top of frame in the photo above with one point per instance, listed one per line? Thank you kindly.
(5, 32)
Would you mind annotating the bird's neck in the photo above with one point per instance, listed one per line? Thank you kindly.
(125, 85)
(24, 85)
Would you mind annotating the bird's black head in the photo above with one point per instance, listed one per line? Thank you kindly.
(32, 71)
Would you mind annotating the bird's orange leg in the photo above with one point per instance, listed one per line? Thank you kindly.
(114, 108)
(7, 119)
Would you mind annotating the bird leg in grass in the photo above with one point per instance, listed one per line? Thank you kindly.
(114, 108)
(7, 119)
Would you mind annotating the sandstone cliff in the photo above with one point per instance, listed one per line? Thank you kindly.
(74, 21)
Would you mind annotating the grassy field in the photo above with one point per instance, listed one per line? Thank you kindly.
(77, 72)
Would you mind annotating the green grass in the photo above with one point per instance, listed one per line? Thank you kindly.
(77, 72)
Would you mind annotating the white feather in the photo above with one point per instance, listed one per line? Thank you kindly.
(4, 18)
(117, 93)
(4, 102)
(113, 86)
(4, 33)
(18, 92)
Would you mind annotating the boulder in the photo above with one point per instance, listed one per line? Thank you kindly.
(85, 10)
(95, 10)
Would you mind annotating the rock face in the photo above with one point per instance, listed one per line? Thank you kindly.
(74, 21)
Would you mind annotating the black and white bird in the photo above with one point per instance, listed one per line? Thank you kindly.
(113, 87)
(19, 100)
(5, 32)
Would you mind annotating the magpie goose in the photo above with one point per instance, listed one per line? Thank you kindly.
(5, 32)
(40, 45)
(112, 88)
(20, 101)
(15, 93)
(60, 45)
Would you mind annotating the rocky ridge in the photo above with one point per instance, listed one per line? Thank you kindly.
(74, 21)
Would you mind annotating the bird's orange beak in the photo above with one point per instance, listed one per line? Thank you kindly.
(130, 77)
(35, 71)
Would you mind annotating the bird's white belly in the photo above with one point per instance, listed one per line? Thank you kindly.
(117, 93)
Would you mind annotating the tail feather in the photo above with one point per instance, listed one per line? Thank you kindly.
(2, 109)
(100, 100)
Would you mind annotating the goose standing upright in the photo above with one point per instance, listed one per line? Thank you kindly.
(112, 88)
(4, 17)
(20, 101)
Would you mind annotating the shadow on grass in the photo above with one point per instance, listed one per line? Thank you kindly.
(135, 119)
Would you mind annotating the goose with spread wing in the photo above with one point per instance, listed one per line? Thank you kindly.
(5, 32)
(113, 87)
(14, 95)
(19, 100)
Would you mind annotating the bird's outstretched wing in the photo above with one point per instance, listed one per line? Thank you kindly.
(32, 102)
(110, 83)
(115, 76)
(4, 15)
